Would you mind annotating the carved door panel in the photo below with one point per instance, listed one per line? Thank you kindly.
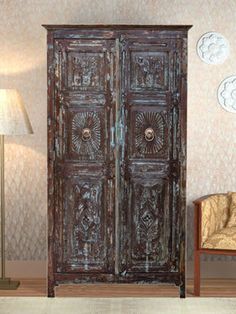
(84, 160)
(149, 182)
(116, 153)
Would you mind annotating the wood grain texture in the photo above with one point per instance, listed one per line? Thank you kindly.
(117, 155)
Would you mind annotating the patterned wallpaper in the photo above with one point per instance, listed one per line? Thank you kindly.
(211, 130)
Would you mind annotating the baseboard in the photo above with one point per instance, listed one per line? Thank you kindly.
(214, 269)
(38, 269)
(26, 269)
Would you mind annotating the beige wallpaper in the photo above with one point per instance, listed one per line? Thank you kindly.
(211, 130)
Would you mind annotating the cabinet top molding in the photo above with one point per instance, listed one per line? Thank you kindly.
(117, 26)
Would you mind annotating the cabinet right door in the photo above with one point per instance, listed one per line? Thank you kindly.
(150, 163)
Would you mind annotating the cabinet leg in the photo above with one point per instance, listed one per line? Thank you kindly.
(182, 290)
(51, 290)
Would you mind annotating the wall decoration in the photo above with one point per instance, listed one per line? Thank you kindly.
(227, 94)
(213, 48)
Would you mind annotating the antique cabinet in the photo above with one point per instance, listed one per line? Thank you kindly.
(116, 154)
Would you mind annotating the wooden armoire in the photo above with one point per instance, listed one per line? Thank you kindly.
(116, 154)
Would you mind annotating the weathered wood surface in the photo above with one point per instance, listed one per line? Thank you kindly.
(117, 154)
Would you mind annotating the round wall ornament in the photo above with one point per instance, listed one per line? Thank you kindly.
(227, 94)
(213, 48)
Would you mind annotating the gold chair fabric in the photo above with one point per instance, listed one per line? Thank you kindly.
(215, 214)
(218, 223)
(224, 239)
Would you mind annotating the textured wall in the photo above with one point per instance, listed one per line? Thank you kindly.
(211, 130)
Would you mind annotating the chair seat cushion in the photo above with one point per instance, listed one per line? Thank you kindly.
(225, 239)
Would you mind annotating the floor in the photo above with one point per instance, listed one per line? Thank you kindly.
(209, 288)
(35, 305)
(119, 299)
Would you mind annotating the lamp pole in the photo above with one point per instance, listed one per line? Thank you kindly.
(2, 208)
(13, 121)
(5, 283)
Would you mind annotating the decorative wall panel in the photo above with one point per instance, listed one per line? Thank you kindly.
(227, 94)
(213, 48)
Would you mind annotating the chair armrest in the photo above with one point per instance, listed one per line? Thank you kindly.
(211, 215)
(203, 198)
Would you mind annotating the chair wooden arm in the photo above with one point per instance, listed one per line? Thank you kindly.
(203, 198)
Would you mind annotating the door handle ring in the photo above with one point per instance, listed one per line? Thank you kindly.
(112, 136)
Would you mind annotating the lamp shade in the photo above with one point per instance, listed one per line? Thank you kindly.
(13, 116)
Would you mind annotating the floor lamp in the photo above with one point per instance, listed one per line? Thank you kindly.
(13, 121)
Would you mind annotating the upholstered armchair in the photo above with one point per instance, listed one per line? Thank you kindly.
(215, 229)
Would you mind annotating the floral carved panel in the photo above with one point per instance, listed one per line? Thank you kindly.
(149, 72)
(149, 232)
(84, 240)
(86, 71)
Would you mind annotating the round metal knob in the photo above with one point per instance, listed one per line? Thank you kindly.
(86, 134)
(149, 134)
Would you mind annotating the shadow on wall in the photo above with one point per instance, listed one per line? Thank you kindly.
(25, 158)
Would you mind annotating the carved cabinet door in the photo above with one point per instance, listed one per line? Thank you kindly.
(84, 156)
(150, 208)
(117, 145)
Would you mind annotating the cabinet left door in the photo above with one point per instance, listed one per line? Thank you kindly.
(82, 125)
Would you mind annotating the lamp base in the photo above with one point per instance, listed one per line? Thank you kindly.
(8, 284)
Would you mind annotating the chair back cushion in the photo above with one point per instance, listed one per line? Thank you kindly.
(232, 210)
(215, 215)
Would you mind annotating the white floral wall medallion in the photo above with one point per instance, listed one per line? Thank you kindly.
(227, 94)
(213, 48)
